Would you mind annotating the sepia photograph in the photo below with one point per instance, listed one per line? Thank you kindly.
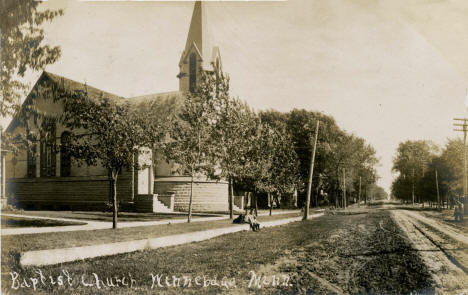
(234, 147)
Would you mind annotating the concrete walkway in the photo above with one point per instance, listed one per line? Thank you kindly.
(55, 256)
(95, 225)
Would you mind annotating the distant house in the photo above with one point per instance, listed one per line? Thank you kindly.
(48, 178)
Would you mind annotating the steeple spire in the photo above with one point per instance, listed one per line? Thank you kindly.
(199, 52)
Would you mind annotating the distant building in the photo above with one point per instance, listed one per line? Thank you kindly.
(46, 177)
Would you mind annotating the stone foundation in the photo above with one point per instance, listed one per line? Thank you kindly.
(208, 196)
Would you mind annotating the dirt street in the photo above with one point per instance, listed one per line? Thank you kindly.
(443, 248)
(379, 249)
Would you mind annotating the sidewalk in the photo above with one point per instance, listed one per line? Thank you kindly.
(55, 256)
(95, 225)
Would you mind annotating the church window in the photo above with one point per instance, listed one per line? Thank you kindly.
(47, 148)
(192, 72)
(65, 157)
(31, 161)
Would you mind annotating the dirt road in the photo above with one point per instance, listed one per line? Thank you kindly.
(443, 248)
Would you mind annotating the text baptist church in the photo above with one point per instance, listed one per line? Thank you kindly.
(44, 177)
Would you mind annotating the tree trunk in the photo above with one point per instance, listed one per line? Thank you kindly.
(115, 204)
(271, 202)
(231, 199)
(247, 201)
(316, 196)
(256, 205)
(189, 218)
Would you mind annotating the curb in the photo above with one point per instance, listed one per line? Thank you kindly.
(56, 256)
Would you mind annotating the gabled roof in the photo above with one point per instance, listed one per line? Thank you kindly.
(64, 83)
(162, 105)
(174, 99)
(72, 85)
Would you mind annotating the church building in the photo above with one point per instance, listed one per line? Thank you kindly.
(47, 178)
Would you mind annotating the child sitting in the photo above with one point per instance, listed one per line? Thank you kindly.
(250, 219)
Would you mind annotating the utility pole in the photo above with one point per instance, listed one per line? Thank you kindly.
(413, 187)
(359, 195)
(311, 172)
(344, 188)
(437, 186)
(2, 169)
(464, 129)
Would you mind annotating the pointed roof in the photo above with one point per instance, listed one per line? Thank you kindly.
(47, 79)
(200, 37)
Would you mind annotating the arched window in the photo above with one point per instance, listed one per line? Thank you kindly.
(47, 148)
(31, 161)
(31, 156)
(65, 158)
(192, 72)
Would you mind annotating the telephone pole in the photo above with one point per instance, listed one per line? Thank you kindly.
(359, 195)
(463, 127)
(413, 189)
(344, 188)
(437, 187)
(311, 172)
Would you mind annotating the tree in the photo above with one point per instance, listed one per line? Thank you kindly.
(233, 136)
(411, 163)
(22, 48)
(336, 150)
(104, 131)
(189, 136)
(263, 163)
(284, 171)
(450, 166)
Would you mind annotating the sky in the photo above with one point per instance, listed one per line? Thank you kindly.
(386, 70)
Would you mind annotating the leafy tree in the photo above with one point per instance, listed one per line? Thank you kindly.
(284, 171)
(377, 192)
(189, 143)
(233, 136)
(104, 131)
(335, 150)
(263, 164)
(411, 163)
(450, 166)
(22, 48)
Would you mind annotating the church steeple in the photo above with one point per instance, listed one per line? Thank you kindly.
(199, 53)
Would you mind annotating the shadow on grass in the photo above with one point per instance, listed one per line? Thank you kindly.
(15, 222)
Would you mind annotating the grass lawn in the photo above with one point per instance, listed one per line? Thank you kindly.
(12, 245)
(14, 222)
(362, 253)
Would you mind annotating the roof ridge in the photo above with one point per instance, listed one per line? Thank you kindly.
(54, 76)
(157, 93)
